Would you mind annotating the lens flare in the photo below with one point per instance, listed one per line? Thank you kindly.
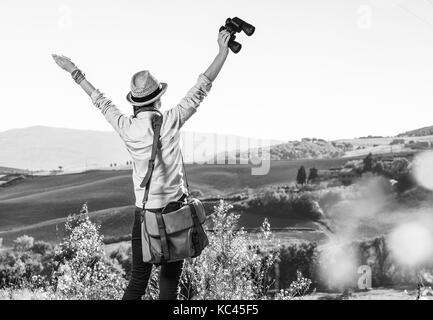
(423, 169)
(411, 244)
(337, 265)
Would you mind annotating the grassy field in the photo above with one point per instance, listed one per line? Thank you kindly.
(229, 179)
(39, 199)
(117, 222)
(113, 222)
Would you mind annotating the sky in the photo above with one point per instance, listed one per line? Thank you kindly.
(328, 69)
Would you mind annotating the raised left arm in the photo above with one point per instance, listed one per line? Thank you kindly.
(66, 64)
(113, 115)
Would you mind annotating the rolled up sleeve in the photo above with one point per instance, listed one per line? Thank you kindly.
(113, 115)
(177, 116)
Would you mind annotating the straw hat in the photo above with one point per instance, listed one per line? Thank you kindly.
(145, 89)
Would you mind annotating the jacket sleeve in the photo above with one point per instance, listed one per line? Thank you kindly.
(113, 115)
(176, 117)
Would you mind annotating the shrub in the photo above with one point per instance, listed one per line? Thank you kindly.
(305, 206)
(283, 204)
(84, 271)
(12, 270)
(297, 289)
(123, 255)
(24, 267)
(16, 270)
(297, 258)
(385, 269)
(77, 269)
(335, 269)
(23, 243)
(27, 294)
(232, 266)
(356, 165)
(42, 248)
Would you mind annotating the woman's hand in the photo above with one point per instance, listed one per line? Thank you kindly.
(223, 41)
(65, 63)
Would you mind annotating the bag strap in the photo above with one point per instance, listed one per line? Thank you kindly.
(195, 236)
(156, 145)
(156, 125)
(163, 235)
(184, 173)
(194, 215)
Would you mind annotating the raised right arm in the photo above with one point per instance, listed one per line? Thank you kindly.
(189, 104)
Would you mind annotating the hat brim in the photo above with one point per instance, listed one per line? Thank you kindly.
(140, 104)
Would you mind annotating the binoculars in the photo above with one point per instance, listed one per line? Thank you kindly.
(236, 25)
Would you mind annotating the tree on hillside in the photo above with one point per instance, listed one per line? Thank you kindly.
(301, 178)
(368, 163)
(314, 174)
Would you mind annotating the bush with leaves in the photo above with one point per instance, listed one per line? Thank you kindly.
(298, 257)
(280, 203)
(296, 290)
(26, 265)
(84, 271)
(234, 265)
(123, 255)
(16, 268)
(306, 207)
(23, 243)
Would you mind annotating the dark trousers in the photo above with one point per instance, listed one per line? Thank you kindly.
(140, 274)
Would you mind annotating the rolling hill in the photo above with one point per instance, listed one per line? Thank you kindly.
(308, 149)
(38, 205)
(47, 148)
(5, 171)
(39, 199)
(426, 131)
(293, 150)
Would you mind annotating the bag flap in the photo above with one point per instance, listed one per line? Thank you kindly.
(177, 220)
